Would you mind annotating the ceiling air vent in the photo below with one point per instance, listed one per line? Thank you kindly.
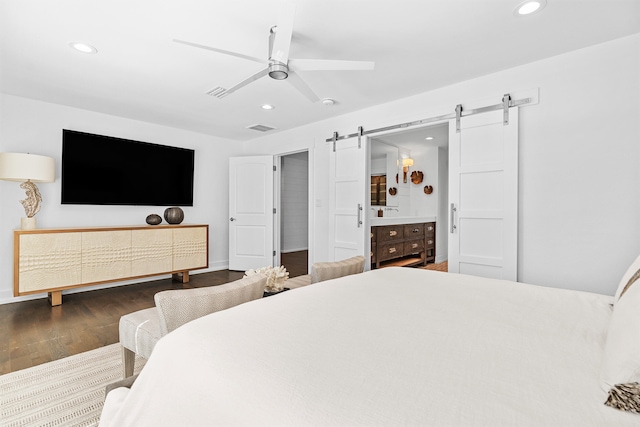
(260, 128)
(218, 92)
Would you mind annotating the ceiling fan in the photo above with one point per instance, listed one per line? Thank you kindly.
(279, 66)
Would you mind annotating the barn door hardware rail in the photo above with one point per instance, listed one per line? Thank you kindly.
(506, 103)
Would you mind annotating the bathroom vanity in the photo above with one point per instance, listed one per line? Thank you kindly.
(403, 242)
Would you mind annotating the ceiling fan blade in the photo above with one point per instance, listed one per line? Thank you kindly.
(282, 38)
(245, 82)
(226, 52)
(297, 82)
(330, 64)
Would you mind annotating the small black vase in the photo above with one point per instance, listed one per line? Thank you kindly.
(154, 219)
(173, 215)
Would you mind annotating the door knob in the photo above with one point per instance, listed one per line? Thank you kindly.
(232, 219)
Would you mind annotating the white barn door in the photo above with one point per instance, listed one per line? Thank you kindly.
(483, 195)
(348, 191)
(250, 212)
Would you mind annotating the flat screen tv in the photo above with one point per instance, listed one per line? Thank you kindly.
(103, 170)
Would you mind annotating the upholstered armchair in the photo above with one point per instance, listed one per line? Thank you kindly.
(141, 330)
(321, 271)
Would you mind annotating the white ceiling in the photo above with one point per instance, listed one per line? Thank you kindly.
(139, 73)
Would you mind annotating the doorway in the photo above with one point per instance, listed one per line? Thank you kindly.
(293, 234)
(428, 147)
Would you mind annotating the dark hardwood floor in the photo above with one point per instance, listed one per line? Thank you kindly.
(33, 332)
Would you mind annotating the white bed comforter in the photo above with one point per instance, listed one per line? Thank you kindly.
(395, 346)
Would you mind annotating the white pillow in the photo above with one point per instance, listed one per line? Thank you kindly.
(633, 269)
(620, 367)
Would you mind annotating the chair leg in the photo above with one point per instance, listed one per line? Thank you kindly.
(128, 362)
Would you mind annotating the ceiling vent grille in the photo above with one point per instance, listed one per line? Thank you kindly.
(218, 92)
(260, 128)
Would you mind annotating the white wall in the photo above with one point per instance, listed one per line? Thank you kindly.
(579, 209)
(425, 160)
(36, 127)
(294, 203)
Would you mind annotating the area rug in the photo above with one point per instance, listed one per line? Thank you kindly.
(65, 392)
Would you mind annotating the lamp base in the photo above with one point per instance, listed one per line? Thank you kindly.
(28, 223)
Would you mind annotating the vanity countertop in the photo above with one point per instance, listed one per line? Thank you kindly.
(390, 220)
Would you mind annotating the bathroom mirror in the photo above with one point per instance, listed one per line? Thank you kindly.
(384, 168)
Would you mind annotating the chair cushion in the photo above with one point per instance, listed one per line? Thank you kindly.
(140, 331)
(177, 307)
(321, 271)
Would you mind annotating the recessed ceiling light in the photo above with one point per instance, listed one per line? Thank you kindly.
(429, 138)
(267, 107)
(530, 6)
(328, 102)
(83, 47)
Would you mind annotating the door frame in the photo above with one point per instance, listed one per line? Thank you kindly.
(277, 202)
(440, 215)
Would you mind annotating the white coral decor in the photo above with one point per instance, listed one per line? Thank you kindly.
(276, 277)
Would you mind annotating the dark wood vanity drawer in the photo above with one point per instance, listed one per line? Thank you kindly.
(413, 246)
(412, 231)
(430, 228)
(430, 242)
(389, 233)
(402, 244)
(390, 250)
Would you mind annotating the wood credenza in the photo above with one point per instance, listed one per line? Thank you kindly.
(403, 244)
(51, 260)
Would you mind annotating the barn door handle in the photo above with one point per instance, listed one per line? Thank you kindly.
(359, 215)
(453, 217)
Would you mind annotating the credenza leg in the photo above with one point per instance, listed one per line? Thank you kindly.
(55, 298)
(182, 276)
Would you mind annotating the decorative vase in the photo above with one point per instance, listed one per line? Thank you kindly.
(173, 215)
(154, 219)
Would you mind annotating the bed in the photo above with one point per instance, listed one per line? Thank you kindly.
(394, 346)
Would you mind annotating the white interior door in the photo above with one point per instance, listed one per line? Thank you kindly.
(349, 192)
(483, 195)
(250, 212)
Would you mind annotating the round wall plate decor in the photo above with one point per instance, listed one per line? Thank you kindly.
(417, 177)
(428, 189)
(393, 191)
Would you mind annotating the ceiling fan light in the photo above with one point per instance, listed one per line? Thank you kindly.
(278, 71)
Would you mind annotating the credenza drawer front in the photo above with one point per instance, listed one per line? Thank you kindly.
(190, 248)
(412, 231)
(390, 251)
(48, 261)
(390, 233)
(413, 246)
(106, 255)
(151, 251)
(430, 228)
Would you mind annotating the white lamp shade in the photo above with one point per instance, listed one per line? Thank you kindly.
(27, 167)
(408, 161)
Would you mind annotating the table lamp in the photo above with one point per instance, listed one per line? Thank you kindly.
(28, 169)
